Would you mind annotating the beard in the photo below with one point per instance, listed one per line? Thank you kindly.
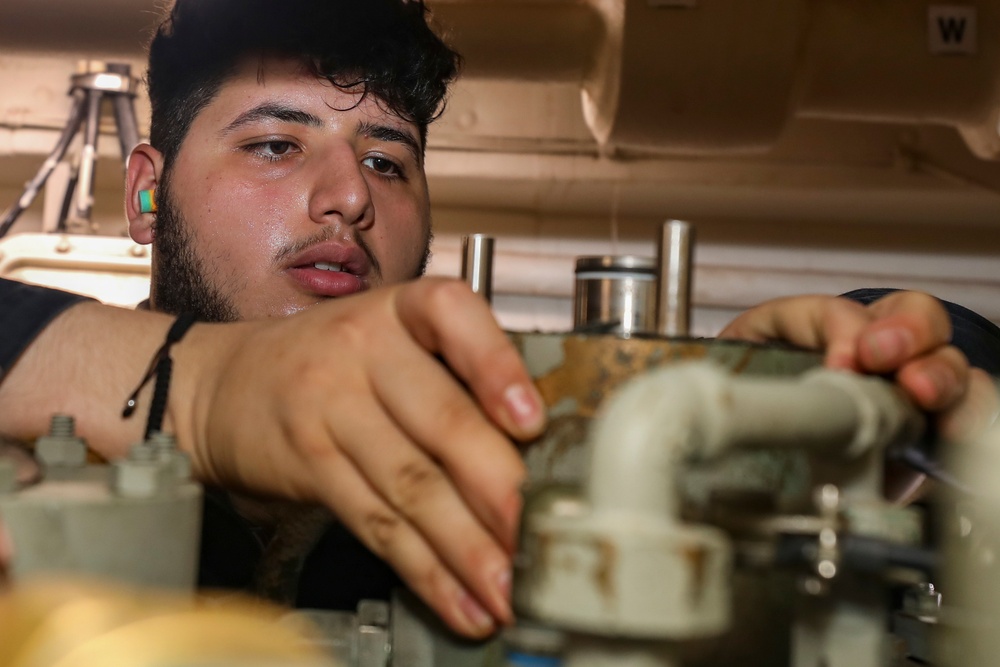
(181, 280)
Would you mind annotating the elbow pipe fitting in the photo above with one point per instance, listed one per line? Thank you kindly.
(618, 561)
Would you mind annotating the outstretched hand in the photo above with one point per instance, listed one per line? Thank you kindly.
(905, 334)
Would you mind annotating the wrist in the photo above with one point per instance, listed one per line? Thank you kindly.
(201, 361)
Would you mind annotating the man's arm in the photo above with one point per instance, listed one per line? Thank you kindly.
(346, 404)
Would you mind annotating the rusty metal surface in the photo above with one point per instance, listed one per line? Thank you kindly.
(574, 372)
(583, 368)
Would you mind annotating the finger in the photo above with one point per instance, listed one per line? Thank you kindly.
(814, 322)
(937, 380)
(482, 463)
(390, 536)
(413, 485)
(977, 410)
(445, 317)
(904, 326)
(772, 319)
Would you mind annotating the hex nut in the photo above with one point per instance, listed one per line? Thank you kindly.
(61, 451)
(141, 479)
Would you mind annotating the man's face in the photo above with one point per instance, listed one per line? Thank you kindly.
(286, 191)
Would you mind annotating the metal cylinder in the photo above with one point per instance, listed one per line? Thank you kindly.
(673, 255)
(477, 264)
(615, 293)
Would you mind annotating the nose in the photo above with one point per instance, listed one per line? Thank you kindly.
(340, 192)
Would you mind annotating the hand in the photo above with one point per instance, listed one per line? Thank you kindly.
(346, 404)
(904, 333)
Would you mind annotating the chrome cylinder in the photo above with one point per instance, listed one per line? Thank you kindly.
(615, 294)
(673, 308)
(477, 264)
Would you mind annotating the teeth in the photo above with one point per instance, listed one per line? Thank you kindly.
(328, 266)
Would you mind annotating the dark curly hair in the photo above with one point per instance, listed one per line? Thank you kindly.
(384, 46)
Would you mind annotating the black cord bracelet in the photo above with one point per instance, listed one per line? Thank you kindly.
(161, 365)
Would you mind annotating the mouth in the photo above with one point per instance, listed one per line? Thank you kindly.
(330, 270)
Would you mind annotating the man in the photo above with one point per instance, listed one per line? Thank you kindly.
(289, 170)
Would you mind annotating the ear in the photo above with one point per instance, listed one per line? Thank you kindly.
(145, 165)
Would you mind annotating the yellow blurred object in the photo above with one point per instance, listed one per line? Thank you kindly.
(79, 624)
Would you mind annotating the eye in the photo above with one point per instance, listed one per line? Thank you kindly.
(382, 166)
(272, 150)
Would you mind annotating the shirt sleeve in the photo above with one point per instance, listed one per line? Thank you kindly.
(25, 310)
(973, 334)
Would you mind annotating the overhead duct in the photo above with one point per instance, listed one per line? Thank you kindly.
(722, 76)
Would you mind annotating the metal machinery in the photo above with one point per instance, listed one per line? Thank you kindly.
(693, 502)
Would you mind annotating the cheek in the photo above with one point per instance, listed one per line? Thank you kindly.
(236, 222)
(401, 239)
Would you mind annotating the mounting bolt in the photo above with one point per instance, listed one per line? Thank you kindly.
(61, 447)
(141, 474)
(165, 447)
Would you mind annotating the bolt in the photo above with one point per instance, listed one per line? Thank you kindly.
(161, 441)
(141, 451)
(828, 498)
(62, 426)
(165, 447)
(140, 479)
(813, 586)
(828, 538)
(61, 447)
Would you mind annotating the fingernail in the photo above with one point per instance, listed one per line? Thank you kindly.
(890, 346)
(477, 616)
(502, 580)
(946, 384)
(524, 406)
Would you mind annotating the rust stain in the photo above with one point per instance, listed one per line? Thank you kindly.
(604, 571)
(697, 558)
(744, 361)
(564, 434)
(543, 553)
(595, 365)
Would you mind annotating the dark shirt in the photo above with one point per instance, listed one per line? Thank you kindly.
(25, 310)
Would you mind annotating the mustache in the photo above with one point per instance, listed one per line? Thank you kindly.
(329, 234)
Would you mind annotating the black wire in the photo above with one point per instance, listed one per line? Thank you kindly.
(917, 458)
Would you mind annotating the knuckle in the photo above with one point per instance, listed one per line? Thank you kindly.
(457, 415)
(444, 295)
(384, 530)
(353, 329)
(415, 482)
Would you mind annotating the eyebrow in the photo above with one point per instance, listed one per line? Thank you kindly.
(387, 133)
(272, 111)
(287, 114)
